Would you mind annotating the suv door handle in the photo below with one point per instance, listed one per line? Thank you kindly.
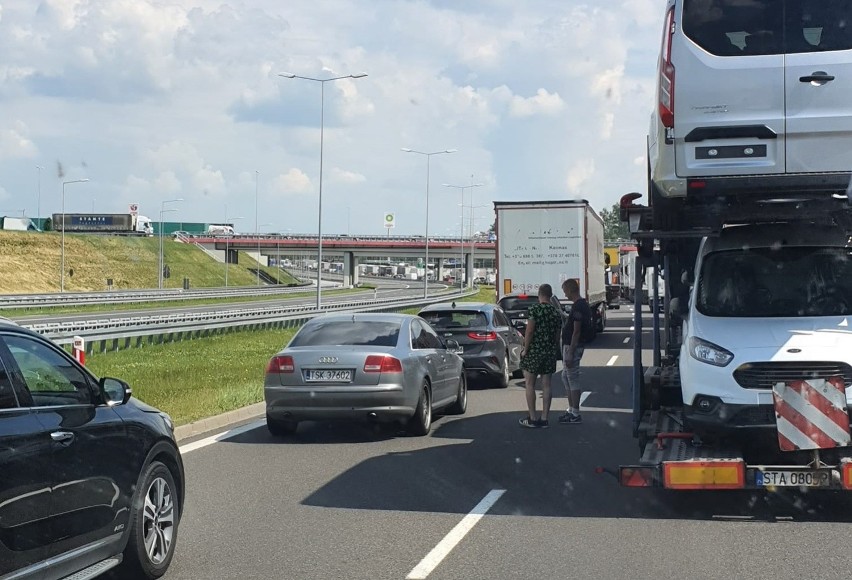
(64, 437)
(817, 77)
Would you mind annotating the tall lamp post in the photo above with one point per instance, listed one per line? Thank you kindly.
(38, 199)
(322, 83)
(161, 278)
(426, 263)
(62, 259)
(461, 239)
(256, 229)
(472, 239)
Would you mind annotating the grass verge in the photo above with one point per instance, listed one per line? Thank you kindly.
(199, 378)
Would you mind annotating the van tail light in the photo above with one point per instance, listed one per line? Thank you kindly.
(667, 74)
(280, 365)
(482, 335)
(382, 363)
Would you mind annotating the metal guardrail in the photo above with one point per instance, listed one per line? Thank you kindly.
(18, 301)
(165, 328)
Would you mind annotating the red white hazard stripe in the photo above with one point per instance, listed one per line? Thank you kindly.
(811, 414)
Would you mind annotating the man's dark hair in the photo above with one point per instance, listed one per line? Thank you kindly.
(545, 290)
(571, 285)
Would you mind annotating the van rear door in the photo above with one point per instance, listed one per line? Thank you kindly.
(728, 88)
(819, 86)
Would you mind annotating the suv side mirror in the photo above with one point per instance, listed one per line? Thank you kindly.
(116, 391)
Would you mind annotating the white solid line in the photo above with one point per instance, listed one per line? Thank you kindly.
(184, 449)
(626, 340)
(584, 396)
(606, 410)
(612, 360)
(428, 564)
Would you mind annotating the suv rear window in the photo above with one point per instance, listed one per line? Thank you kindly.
(345, 333)
(759, 27)
(455, 318)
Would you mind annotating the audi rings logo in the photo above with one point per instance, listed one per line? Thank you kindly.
(328, 359)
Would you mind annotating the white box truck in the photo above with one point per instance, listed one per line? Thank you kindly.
(548, 242)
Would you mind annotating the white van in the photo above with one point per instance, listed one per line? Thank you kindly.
(220, 230)
(771, 303)
(753, 100)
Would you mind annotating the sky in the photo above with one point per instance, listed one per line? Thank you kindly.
(159, 100)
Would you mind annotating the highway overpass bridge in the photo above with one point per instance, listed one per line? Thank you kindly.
(353, 250)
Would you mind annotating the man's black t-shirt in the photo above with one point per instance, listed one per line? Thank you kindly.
(580, 312)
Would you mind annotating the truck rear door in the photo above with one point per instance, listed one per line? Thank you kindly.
(818, 86)
(727, 72)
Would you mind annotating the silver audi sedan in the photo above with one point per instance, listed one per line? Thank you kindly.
(373, 367)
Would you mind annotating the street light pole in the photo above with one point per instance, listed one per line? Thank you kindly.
(461, 239)
(256, 230)
(227, 243)
(62, 243)
(38, 202)
(322, 83)
(162, 262)
(426, 263)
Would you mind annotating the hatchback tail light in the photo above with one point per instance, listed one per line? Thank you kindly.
(667, 74)
(280, 365)
(382, 363)
(482, 335)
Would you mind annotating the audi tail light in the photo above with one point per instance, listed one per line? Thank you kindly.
(382, 363)
(280, 365)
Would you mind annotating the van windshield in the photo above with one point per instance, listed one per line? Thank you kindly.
(759, 27)
(785, 282)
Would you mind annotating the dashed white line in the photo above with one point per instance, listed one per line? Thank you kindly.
(611, 361)
(626, 340)
(632, 328)
(428, 564)
(184, 449)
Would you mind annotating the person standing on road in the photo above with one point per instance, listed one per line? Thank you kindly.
(538, 357)
(576, 333)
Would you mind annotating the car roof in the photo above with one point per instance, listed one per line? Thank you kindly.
(363, 317)
(775, 234)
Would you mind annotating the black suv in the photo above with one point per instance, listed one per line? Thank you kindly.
(90, 479)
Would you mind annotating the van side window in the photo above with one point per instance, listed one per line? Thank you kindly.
(737, 28)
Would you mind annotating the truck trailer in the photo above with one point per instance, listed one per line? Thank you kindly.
(105, 223)
(548, 242)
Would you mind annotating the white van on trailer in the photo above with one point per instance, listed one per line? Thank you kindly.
(753, 105)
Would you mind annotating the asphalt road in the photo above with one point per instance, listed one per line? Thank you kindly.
(350, 501)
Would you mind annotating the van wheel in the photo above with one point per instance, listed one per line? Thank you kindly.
(154, 519)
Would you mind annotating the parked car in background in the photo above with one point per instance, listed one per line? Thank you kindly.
(516, 307)
(490, 345)
(364, 367)
(90, 478)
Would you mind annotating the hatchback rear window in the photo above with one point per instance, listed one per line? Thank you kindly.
(346, 333)
(517, 303)
(760, 27)
(455, 318)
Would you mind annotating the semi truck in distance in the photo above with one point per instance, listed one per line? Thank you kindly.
(104, 223)
(548, 242)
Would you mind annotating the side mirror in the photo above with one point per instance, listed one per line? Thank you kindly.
(453, 346)
(679, 307)
(116, 391)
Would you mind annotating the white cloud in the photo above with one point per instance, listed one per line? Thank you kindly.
(579, 174)
(344, 176)
(607, 126)
(542, 103)
(167, 182)
(292, 182)
(14, 144)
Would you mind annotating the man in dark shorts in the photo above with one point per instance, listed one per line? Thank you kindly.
(576, 332)
(538, 357)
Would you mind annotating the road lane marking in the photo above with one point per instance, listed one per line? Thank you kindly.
(626, 340)
(184, 449)
(428, 564)
(606, 410)
(632, 328)
(584, 396)
(611, 361)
